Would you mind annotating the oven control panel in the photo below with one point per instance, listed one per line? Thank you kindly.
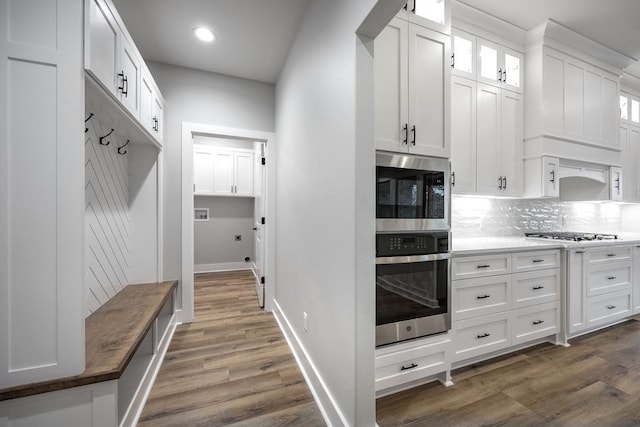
(398, 244)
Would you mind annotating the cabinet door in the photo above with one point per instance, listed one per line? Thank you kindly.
(511, 64)
(550, 179)
(463, 56)
(615, 183)
(511, 128)
(488, 140)
(223, 173)
(610, 110)
(463, 135)
(434, 14)
(592, 106)
(243, 182)
(391, 87)
(158, 117)
(101, 44)
(429, 86)
(636, 278)
(129, 78)
(202, 171)
(576, 282)
(146, 102)
(489, 70)
(553, 110)
(630, 144)
(574, 98)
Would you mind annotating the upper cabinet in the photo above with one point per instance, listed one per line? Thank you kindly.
(116, 66)
(222, 172)
(487, 62)
(630, 145)
(434, 14)
(412, 75)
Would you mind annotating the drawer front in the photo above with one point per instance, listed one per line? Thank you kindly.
(609, 253)
(528, 261)
(393, 369)
(481, 296)
(603, 309)
(535, 287)
(608, 277)
(482, 335)
(480, 266)
(535, 322)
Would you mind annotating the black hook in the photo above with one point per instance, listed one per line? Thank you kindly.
(103, 137)
(86, 129)
(122, 146)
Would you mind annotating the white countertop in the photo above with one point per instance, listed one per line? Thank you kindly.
(486, 245)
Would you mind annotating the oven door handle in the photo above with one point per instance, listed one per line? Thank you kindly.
(412, 258)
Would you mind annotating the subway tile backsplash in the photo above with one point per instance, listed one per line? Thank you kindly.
(484, 217)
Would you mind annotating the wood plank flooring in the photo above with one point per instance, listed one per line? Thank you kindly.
(231, 366)
(595, 383)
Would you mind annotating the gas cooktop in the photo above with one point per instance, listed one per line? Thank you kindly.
(572, 236)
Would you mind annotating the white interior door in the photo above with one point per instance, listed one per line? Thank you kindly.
(258, 227)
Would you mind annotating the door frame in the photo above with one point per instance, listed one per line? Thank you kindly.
(186, 314)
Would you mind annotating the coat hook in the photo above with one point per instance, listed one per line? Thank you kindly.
(120, 149)
(103, 137)
(86, 129)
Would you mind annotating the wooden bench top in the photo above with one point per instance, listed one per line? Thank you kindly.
(112, 336)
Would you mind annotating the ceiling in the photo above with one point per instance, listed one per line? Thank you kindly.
(254, 36)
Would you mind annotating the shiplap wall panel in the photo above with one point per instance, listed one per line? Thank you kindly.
(107, 219)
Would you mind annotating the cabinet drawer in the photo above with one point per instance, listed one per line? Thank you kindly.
(535, 322)
(535, 287)
(610, 253)
(606, 308)
(410, 364)
(527, 261)
(480, 266)
(604, 278)
(481, 296)
(481, 335)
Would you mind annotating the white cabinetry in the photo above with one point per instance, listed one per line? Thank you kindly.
(502, 300)
(114, 63)
(599, 285)
(41, 192)
(407, 364)
(434, 14)
(412, 89)
(630, 144)
(541, 177)
(636, 278)
(487, 120)
(220, 172)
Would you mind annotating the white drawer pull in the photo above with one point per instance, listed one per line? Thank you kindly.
(406, 368)
(484, 335)
(483, 296)
(611, 307)
(537, 288)
(537, 322)
(538, 260)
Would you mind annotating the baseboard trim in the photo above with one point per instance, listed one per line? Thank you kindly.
(223, 266)
(330, 410)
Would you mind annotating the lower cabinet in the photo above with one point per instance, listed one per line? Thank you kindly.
(519, 303)
(408, 363)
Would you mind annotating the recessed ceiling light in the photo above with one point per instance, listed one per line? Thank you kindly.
(204, 34)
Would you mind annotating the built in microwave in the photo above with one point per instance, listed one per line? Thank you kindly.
(413, 193)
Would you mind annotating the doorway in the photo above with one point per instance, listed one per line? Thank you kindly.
(254, 247)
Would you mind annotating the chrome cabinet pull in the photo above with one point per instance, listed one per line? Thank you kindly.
(453, 181)
(500, 74)
(483, 335)
(406, 368)
(453, 60)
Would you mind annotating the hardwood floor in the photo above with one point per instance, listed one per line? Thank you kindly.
(231, 366)
(595, 383)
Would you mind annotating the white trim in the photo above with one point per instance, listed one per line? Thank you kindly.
(327, 404)
(222, 266)
(188, 129)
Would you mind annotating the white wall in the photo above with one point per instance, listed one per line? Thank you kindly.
(205, 98)
(631, 218)
(214, 240)
(325, 199)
